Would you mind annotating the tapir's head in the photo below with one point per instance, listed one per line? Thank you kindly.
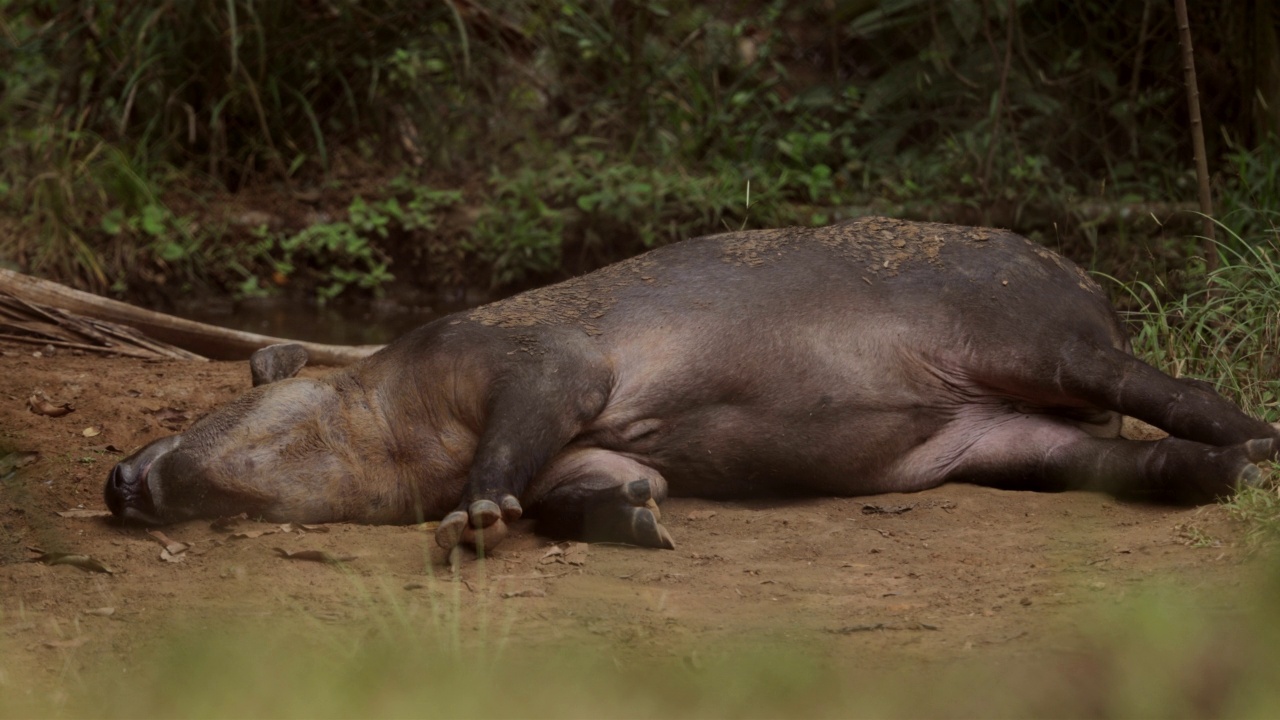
(282, 450)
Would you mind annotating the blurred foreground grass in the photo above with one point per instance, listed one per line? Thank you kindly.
(1169, 652)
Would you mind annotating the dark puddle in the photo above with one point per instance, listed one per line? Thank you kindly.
(340, 323)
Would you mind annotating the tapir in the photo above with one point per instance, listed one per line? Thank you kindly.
(872, 356)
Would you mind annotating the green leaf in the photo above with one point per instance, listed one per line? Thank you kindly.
(172, 251)
(153, 219)
(113, 222)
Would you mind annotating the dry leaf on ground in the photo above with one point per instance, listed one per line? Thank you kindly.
(84, 562)
(42, 405)
(323, 556)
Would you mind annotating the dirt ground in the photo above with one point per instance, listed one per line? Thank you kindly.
(939, 576)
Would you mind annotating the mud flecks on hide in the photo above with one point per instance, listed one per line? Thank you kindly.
(1085, 282)
(572, 302)
(880, 244)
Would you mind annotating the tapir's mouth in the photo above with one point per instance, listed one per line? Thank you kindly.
(132, 500)
(143, 499)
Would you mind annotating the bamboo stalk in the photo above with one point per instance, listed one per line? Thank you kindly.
(1197, 134)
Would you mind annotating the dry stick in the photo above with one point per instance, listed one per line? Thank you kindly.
(208, 340)
(1197, 134)
(127, 352)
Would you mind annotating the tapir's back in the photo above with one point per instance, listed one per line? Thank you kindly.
(977, 277)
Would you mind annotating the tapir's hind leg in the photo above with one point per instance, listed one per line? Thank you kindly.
(600, 496)
(1111, 379)
(1030, 451)
(1212, 448)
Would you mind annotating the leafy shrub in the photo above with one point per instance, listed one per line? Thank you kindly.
(922, 106)
(337, 256)
(599, 208)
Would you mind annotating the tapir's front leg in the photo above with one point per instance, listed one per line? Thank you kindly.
(534, 410)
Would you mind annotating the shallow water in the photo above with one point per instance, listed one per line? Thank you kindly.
(346, 323)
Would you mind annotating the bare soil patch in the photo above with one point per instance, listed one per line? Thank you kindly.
(947, 575)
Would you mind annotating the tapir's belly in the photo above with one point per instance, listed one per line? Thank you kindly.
(740, 452)
(812, 405)
(829, 444)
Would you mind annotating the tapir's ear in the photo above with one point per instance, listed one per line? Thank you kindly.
(276, 362)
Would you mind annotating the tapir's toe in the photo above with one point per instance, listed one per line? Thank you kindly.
(458, 526)
(1250, 476)
(511, 510)
(484, 513)
(646, 531)
(637, 492)
(449, 534)
(1260, 449)
(1247, 455)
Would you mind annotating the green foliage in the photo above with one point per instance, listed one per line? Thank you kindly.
(340, 255)
(337, 256)
(597, 207)
(168, 239)
(50, 202)
(518, 233)
(986, 110)
(91, 200)
(1259, 509)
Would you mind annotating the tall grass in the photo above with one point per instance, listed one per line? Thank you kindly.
(1226, 332)
(231, 87)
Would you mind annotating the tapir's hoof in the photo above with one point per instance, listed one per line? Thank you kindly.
(1250, 476)
(637, 492)
(1261, 449)
(480, 515)
(646, 531)
(511, 510)
(1255, 451)
(627, 513)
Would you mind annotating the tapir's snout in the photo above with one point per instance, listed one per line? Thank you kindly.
(282, 450)
(128, 493)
